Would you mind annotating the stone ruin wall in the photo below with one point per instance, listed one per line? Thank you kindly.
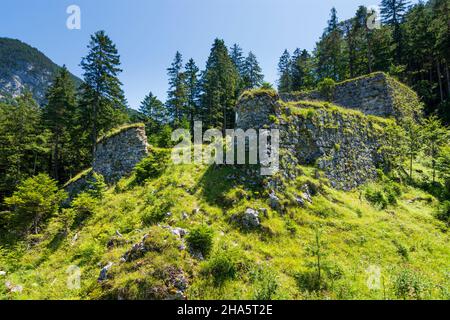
(345, 145)
(115, 157)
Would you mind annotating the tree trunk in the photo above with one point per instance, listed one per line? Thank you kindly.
(410, 167)
(369, 52)
(438, 68)
(94, 126)
(447, 73)
(55, 158)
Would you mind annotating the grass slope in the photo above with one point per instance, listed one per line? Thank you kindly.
(366, 253)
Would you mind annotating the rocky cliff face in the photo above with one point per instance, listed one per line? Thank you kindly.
(25, 68)
(345, 142)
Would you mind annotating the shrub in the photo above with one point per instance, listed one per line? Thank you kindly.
(392, 191)
(222, 267)
(165, 137)
(326, 88)
(376, 197)
(84, 205)
(200, 239)
(267, 86)
(97, 186)
(152, 166)
(443, 212)
(153, 216)
(36, 199)
(410, 285)
(291, 227)
(401, 250)
(308, 281)
(266, 284)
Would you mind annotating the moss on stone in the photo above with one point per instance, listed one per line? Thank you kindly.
(119, 130)
(79, 176)
(251, 94)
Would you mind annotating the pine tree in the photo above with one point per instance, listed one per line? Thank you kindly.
(284, 71)
(435, 137)
(252, 76)
(154, 113)
(302, 73)
(177, 95)
(238, 59)
(219, 88)
(333, 22)
(58, 115)
(102, 96)
(414, 142)
(24, 146)
(329, 51)
(393, 12)
(193, 90)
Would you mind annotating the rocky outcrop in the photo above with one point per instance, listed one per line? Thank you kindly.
(23, 67)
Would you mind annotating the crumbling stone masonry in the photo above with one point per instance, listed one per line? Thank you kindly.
(346, 140)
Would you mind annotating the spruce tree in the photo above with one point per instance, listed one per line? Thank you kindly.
(177, 95)
(192, 90)
(219, 88)
(302, 73)
(252, 76)
(329, 51)
(58, 116)
(154, 113)
(103, 100)
(238, 59)
(393, 12)
(284, 71)
(24, 146)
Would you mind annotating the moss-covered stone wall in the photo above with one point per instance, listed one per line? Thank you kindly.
(375, 94)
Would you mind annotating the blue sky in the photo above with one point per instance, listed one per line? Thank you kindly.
(149, 32)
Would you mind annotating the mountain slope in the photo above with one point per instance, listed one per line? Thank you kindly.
(137, 230)
(24, 67)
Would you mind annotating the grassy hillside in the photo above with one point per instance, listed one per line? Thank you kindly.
(365, 252)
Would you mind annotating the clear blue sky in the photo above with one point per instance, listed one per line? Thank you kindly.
(149, 32)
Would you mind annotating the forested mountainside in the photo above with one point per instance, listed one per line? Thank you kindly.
(23, 67)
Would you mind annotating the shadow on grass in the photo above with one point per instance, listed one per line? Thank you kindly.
(218, 180)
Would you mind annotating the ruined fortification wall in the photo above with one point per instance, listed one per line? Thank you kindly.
(375, 94)
(346, 143)
(115, 156)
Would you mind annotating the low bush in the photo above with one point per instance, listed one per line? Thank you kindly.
(326, 88)
(376, 197)
(266, 284)
(152, 166)
(84, 205)
(153, 215)
(36, 199)
(200, 239)
(410, 285)
(384, 196)
(222, 267)
(443, 212)
(96, 186)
